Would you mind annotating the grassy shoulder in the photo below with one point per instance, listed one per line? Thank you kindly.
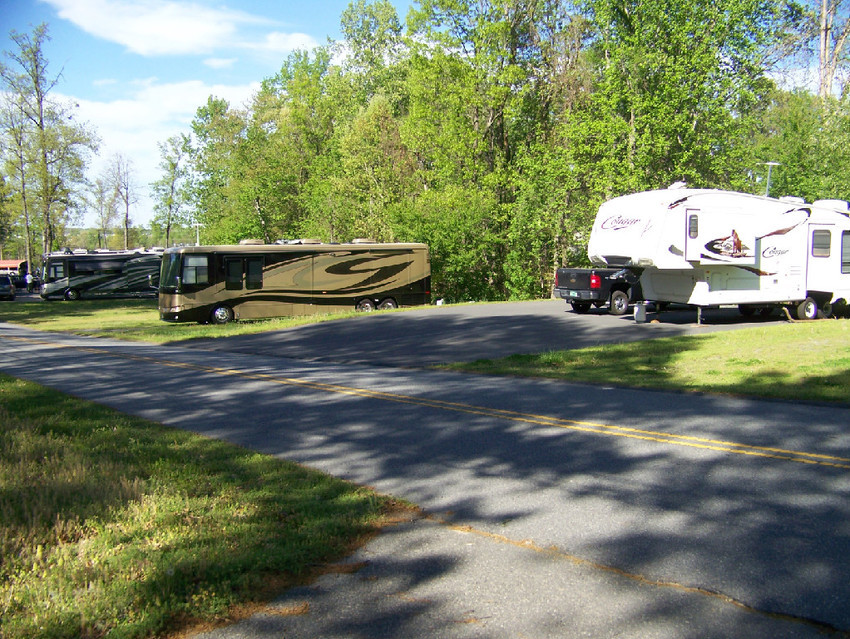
(795, 361)
(136, 320)
(113, 525)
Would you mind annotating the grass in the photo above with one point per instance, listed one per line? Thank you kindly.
(113, 526)
(795, 361)
(136, 320)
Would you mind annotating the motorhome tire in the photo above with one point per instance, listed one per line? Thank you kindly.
(221, 314)
(387, 304)
(580, 307)
(365, 305)
(807, 309)
(72, 295)
(619, 304)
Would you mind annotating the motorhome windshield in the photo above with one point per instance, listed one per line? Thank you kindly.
(169, 275)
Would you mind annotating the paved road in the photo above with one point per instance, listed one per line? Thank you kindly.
(554, 510)
(461, 333)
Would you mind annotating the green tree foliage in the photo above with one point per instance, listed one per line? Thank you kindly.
(47, 150)
(493, 129)
(810, 140)
(171, 196)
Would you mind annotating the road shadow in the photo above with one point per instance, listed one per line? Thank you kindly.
(462, 333)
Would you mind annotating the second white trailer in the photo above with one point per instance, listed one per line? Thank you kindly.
(711, 248)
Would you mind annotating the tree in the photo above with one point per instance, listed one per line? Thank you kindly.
(17, 165)
(373, 46)
(170, 191)
(680, 85)
(104, 205)
(833, 31)
(57, 146)
(120, 176)
(217, 132)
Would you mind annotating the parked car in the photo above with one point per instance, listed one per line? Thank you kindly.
(7, 289)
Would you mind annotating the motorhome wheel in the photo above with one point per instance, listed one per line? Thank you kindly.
(387, 304)
(221, 315)
(72, 295)
(365, 305)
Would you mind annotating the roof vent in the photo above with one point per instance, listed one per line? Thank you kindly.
(249, 242)
(363, 240)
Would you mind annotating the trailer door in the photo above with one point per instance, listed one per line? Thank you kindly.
(693, 246)
(823, 259)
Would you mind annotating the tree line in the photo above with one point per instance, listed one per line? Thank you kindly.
(489, 129)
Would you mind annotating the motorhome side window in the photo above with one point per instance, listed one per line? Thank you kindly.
(845, 252)
(250, 267)
(254, 272)
(820, 243)
(195, 269)
(56, 271)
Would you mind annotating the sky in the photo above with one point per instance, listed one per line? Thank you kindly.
(139, 69)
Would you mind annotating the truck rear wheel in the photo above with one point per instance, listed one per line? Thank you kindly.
(619, 303)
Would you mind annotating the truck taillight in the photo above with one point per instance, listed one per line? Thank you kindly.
(595, 281)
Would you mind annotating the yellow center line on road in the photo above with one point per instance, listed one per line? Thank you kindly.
(470, 409)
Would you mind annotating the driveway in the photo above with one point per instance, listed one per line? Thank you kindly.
(462, 333)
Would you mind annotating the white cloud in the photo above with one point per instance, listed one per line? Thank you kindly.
(277, 42)
(220, 63)
(156, 27)
(152, 113)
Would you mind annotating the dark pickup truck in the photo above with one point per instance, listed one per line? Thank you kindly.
(586, 287)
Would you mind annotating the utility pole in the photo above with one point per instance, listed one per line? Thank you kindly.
(770, 166)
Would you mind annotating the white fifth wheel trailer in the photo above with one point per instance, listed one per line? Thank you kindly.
(712, 248)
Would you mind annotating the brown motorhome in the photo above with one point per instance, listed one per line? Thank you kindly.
(219, 284)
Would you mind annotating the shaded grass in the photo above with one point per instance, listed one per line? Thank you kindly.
(115, 526)
(137, 320)
(796, 361)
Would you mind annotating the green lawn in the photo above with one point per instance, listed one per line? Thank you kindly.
(116, 526)
(797, 361)
(135, 319)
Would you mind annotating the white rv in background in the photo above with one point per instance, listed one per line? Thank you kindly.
(711, 248)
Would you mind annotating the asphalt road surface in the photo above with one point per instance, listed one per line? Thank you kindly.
(462, 333)
(552, 509)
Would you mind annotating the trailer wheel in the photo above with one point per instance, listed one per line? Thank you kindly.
(619, 303)
(221, 314)
(387, 304)
(580, 307)
(807, 309)
(72, 295)
(365, 305)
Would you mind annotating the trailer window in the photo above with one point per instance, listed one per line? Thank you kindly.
(820, 243)
(693, 226)
(845, 252)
